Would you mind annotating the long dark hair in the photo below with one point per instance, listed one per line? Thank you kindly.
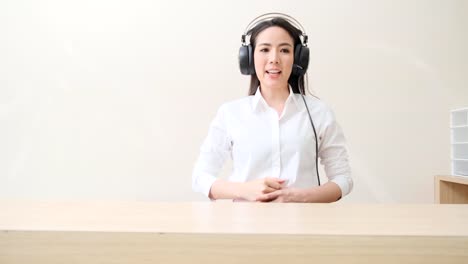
(297, 82)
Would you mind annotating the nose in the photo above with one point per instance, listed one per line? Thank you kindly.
(274, 58)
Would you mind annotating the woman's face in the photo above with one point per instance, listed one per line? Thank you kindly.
(274, 57)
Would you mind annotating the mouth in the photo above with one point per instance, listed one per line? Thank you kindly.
(273, 72)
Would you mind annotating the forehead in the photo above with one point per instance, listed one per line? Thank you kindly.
(274, 35)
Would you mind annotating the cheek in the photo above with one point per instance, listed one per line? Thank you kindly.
(290, 60)
(289, 63)
(258, 64)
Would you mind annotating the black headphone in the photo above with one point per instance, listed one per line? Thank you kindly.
(301, 51)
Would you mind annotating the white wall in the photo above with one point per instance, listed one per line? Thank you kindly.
(112, 99)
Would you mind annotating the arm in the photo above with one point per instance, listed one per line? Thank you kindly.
(250, 191)
(333, 155)
(327, 193)
(213, 152)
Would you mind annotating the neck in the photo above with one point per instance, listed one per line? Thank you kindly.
(275, 96)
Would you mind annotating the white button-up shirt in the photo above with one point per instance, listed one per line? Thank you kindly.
(263, 145)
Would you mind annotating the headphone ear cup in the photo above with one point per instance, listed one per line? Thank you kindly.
(301, 60)
(251, 61)
(244, 59)
(246, 64)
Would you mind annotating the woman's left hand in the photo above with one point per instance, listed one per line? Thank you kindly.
(287, 195)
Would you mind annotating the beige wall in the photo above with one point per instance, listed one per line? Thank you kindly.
(112, 99)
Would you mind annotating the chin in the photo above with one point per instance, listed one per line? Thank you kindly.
(276, 84)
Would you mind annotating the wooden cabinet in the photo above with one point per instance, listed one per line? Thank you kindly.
(451, 189)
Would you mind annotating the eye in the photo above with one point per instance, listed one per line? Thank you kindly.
(285, 50)
(264, 50)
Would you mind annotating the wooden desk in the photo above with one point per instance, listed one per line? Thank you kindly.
(451, 189)
(225, 232)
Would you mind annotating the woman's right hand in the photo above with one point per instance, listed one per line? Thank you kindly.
(252, 190)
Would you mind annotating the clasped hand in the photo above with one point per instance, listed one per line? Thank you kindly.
(268, 189)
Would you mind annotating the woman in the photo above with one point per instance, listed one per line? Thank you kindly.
(270, 133)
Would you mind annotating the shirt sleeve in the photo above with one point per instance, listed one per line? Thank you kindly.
(213, 152)
(334, 155)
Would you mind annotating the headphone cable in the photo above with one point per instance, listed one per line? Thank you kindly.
(316, 141)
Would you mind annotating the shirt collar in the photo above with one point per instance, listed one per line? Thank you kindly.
(258, 101)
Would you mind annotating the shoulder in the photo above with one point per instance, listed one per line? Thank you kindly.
(315, 104)
(320, 111)
(237, 105)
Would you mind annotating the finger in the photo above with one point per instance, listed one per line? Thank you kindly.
(268, 189)
(277, 200)
(268, 196)
(263, 198)
(274, 183)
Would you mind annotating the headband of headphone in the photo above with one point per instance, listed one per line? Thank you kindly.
(301, 51)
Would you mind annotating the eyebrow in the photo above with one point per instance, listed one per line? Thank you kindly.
(268, 44)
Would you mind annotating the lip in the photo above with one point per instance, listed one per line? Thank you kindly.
(273, 76)
(278, 71)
